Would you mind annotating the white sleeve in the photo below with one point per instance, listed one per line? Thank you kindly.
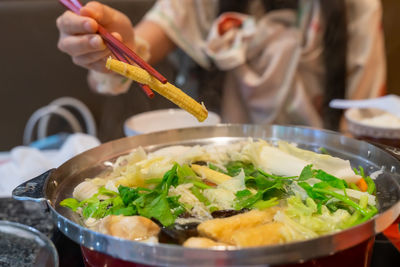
(187, 23)
(110, 83)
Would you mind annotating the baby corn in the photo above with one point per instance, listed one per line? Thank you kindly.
(167, 90)
(209, 174)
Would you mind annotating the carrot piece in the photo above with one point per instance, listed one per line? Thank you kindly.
(362, 184)
(209, 183)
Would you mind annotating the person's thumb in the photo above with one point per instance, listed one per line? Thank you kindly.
(101, 13)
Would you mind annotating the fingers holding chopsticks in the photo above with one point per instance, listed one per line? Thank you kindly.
(103, 14)
(93, 61)
(78, 45)
(84, 20)
(70, 23)
(111, 19)
(88, 50)
(78, 39)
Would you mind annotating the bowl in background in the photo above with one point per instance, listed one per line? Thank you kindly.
(374, 125)
(165, 119)
(22, 245)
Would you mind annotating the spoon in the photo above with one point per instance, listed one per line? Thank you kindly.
(388, 103)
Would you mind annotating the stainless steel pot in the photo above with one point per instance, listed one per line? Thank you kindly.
(57, 184)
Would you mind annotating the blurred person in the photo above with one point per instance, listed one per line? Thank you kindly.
(272, 70)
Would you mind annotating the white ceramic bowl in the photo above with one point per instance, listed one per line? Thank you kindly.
(372, 123)
(165, 119)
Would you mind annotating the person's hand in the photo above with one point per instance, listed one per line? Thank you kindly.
(78, 36)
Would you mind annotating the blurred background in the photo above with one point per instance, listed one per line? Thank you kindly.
(33, 72)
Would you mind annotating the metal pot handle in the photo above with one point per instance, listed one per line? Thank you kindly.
(32, 190)
(394, 151)
(389, 232)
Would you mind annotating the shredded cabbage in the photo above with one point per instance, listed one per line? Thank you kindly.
(302, 220)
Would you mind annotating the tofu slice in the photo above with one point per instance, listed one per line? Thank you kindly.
(129, 227)
(223, 229)
(261, 235)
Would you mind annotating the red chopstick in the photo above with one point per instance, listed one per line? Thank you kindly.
(70, 6)
(118, 49)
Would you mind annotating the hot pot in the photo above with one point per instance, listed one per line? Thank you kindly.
(99, 249)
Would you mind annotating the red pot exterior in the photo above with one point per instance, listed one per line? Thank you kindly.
(357, 256)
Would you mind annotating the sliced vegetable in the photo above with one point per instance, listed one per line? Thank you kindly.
(354, 186)
(199, 195)
(367, 184)
(211, 175)
(71, 203)
(264, 204)
(330, 179)
(370, 184)
(362, 185)
(306, 173)
(345, 199)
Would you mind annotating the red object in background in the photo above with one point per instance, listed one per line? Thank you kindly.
(393, 234)
(357, 256)
(227, 23)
